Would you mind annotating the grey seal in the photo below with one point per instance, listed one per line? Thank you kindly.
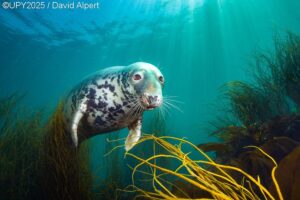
(112, 99)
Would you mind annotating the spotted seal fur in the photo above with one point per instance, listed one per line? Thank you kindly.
(112, 99)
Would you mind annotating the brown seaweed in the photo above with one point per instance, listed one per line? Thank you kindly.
(36, 161)
(288, 176)
(64, 168)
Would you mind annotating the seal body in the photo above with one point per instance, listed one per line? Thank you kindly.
(112, 99)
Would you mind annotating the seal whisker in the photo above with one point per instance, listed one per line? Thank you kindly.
(130, 103)
(133, 111)
(169, 96)
(173, 100)
(166, 108)
(161, 114)
(140, 109)
(173, 106)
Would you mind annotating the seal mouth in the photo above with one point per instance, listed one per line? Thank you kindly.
(150, 107)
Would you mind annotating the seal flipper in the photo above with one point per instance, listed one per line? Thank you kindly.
(77, 117)
(134, 134)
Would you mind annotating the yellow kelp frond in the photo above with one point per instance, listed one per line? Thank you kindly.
(210, 179)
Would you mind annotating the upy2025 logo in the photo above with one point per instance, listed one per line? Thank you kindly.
(23, 5)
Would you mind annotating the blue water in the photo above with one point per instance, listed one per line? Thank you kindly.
(199, 45)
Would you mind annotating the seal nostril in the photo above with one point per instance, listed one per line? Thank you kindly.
(150, 98)
(153, 99)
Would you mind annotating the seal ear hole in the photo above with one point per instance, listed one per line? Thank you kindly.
(137, 77)
(161, 79)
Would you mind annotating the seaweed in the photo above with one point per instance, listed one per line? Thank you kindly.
(287, 60)
(115, 178)
(35, 160)
(194, 179)
(248, 103)
(20, 142)
(273, 95)
(112, 179)
(64, 168)
(289, 182)
(264, 113)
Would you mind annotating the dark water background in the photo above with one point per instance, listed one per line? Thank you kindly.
(198, 44)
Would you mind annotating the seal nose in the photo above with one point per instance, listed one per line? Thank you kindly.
(152, 100)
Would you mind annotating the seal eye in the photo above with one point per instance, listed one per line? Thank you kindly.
(161, 79)
(137, 77)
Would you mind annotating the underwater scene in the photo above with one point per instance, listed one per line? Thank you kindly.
(150, 99)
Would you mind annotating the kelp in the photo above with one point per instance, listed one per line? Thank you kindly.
(248, 103)
(21, 132)
(109, 176)
(64, 168)
(274, 90)
(216, 183)
(267, 107)
(288, 175)
(287, 60)
(110, 188)
(264, 113)
(36, 162)
(282, 126)
(255, 164)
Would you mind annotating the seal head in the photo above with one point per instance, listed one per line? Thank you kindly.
(147, 81)
(112, 99)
